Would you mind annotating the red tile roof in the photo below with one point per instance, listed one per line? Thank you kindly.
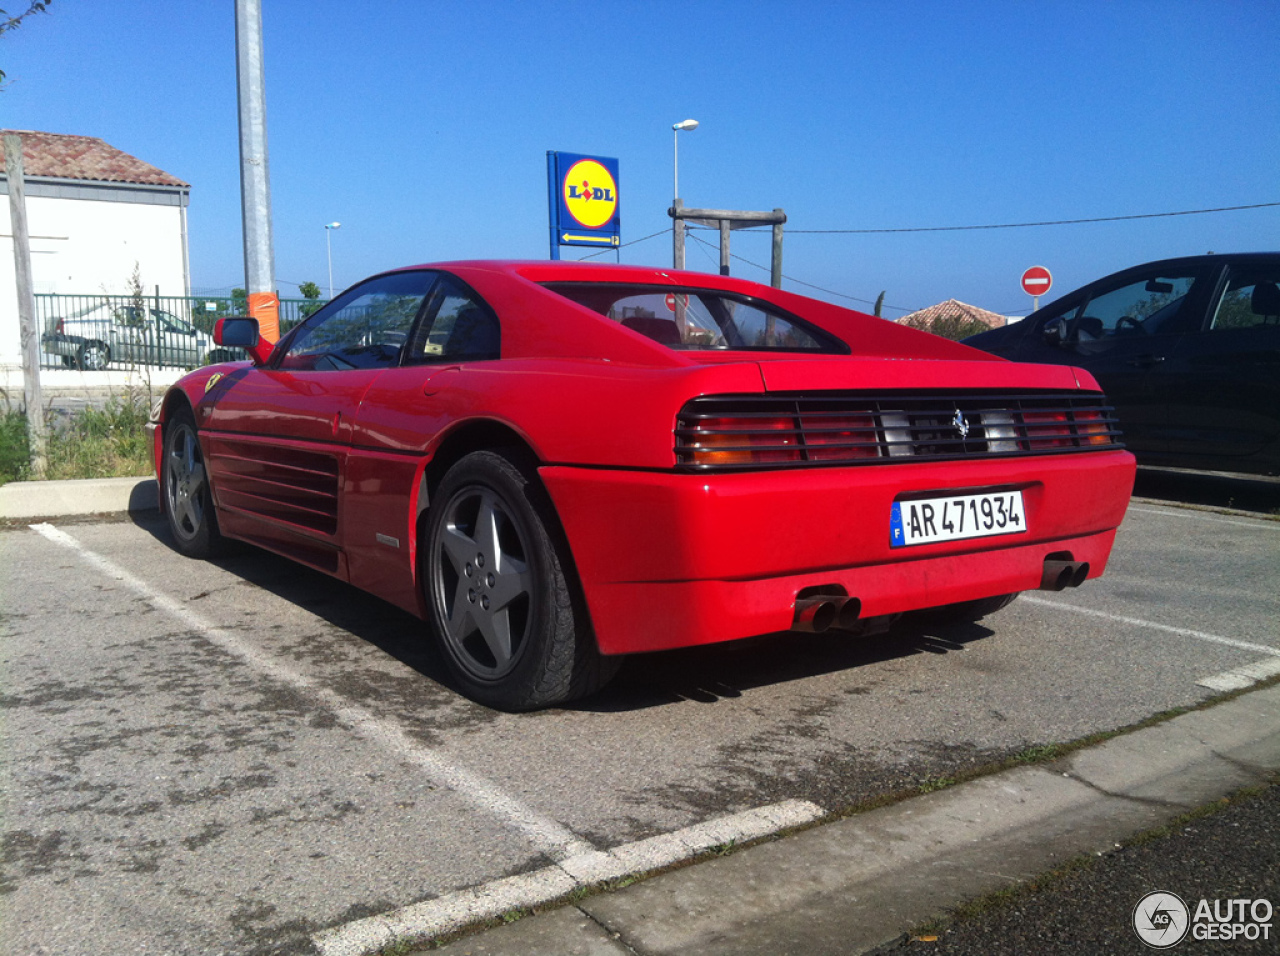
(62, 156)
(952, 308)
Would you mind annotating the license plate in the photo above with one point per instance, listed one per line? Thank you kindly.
(956, 517)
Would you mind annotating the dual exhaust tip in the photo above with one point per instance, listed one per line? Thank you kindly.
(823, 612)
(1062, 573)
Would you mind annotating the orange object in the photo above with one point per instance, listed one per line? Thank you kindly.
(265, 307)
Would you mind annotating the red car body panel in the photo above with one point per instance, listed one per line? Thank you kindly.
(665, 558)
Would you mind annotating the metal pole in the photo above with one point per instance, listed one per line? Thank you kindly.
(30, 337)
(328, 245)
(724, 247)
(255, 179)
(675, 164)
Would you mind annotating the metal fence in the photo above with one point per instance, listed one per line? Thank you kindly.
(95, 332)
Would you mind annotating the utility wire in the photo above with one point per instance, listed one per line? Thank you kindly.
(1024, 225)
(652, 235)
(809, 285)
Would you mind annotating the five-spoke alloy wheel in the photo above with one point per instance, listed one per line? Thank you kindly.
(185, 486)
(501, 598)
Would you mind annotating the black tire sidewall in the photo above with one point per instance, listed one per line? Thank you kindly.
(204, 541)
(548, 639)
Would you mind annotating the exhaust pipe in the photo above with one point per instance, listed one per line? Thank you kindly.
(847, 617)
(815, 614)
(821, 612)
(1058, 575)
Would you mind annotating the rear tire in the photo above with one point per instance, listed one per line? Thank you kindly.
(500, 589)
(184, 482)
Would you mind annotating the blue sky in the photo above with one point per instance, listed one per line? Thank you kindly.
(423, 128)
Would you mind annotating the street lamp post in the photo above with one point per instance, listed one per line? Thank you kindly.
(328, 231)
(677, 229)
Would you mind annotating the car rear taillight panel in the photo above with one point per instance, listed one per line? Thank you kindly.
(734, 432)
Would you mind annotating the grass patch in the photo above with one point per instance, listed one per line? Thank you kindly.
(107, 442)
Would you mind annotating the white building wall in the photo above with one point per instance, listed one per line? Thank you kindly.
(89, 246)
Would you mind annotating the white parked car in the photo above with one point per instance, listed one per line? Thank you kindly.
(106, 333)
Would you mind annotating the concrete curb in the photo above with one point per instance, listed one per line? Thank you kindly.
(856, 884)
(28, 500)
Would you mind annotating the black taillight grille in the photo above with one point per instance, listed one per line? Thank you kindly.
(733, 431)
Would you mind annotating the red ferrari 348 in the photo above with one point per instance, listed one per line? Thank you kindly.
(557, 464)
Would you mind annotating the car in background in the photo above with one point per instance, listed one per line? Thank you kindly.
(555, 464)
(104, 333)
(1188, 350)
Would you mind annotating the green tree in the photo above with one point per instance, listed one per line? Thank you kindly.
(309, 290)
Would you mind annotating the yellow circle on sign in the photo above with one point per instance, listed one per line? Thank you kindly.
(590, 194)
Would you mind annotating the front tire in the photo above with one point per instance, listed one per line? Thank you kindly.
(93, 356)
(500, 590)
(184, 482)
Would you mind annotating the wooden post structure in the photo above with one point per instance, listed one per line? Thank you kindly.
(775, 261)
(727, 220)
(677, 234)
(30, 334)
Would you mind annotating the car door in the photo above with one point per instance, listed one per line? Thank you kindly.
(1121, 331)
(1223, 381)
(276, 437)
(456, 341)
(176, 341)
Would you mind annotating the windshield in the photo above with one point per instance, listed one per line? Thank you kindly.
(699, 319)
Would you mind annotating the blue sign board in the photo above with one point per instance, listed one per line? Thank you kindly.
(583, 201)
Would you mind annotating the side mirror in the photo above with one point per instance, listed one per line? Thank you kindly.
(1055, 332)
(242, 333)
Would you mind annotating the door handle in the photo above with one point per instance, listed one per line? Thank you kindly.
(433, 383)
(1146, 361)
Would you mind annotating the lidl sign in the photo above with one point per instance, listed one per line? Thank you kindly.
(583, 194)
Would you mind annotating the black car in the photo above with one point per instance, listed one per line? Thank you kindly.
(1188, 351)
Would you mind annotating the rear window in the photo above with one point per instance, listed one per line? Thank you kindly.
(700, 319)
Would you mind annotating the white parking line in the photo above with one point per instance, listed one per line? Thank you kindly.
(1137, 622)
(545, 834)
(1261, 522)
(419, 924)
(1242, 677)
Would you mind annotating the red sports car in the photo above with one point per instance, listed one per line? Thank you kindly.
(556, 464)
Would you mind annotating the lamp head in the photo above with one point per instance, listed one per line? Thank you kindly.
(333, 225)
(689, 124)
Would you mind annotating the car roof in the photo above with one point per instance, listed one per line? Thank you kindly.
(550, 270)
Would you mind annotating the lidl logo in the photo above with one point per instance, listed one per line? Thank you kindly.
(590, 193)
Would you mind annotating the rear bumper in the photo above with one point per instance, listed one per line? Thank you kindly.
(672, 560)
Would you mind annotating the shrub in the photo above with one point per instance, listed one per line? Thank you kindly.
(15, 449)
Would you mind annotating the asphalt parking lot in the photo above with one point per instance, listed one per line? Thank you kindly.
(233, 757)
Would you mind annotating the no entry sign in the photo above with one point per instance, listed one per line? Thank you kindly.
(1036, 280)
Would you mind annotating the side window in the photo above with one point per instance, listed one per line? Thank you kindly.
(1251, 299)
(459, 326)
(1158, 304)
(366, 328)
